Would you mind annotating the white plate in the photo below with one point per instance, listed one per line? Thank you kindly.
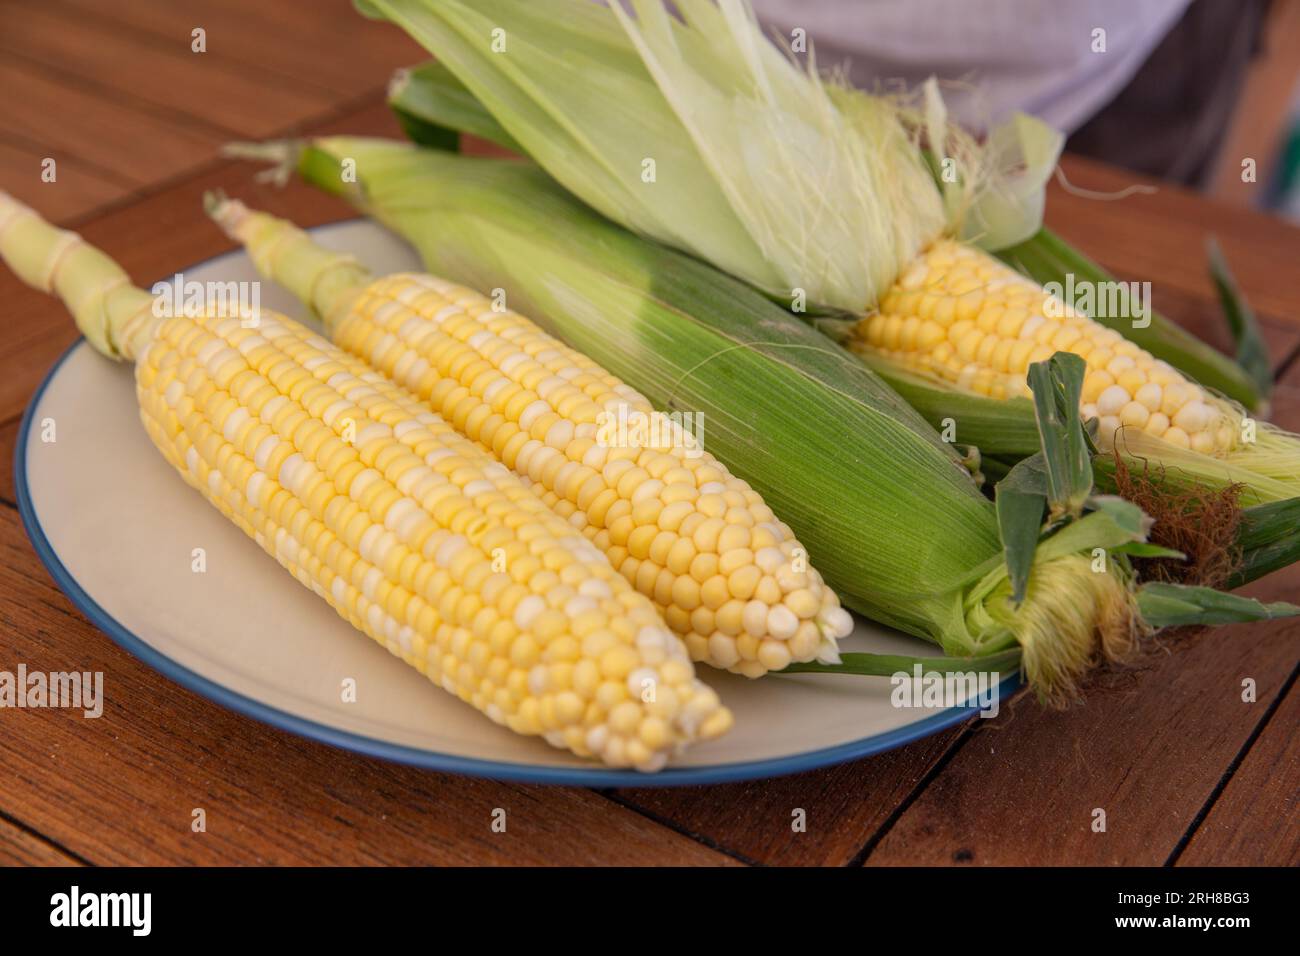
(117, 528)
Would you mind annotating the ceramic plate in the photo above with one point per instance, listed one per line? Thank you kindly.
(118, 530)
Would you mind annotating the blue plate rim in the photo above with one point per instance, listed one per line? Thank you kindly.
(415, 756)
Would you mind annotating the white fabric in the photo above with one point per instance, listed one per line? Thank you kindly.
(1030, 55)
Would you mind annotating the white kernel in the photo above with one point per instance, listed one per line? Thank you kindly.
(649, 488)
(451, 546)
(479, 486)
(1150, 395)
(836, 621)
(560, 434)
(641, 679)
(769, 560)
(722, 651)
(597, 738)
(234, 421)
(539, 679)
(578, 605)
(370, 584)
(651, 637)
(1112, 399)
(1193, 417)
(262, 456)
(526, 611)
(782, 622)
(754, 618)
(533, 412)
(253, 490)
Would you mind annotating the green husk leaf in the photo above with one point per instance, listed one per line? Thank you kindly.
(435, 108)
(1177, 605)
(1269, 538)
(1125, 514)
(1252, 352)
(1269, 523)
(1004, 427)
(1049, 259)
(1009, 208)
(570, 89)
(1020, 499)
(640, 119)
(1056, 385)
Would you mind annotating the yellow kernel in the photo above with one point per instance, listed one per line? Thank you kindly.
(1135, 414)
(743, 581)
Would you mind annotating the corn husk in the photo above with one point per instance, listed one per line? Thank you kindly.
(593, 96)
(782, 150)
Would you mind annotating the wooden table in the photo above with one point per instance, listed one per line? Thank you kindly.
(1186, 771)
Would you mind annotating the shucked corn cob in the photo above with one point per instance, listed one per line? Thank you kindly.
(408, 530)
(960, 315)
(729, 577)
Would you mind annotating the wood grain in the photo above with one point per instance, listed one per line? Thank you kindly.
(1148, 752)
(841, 808)
(77, 186)
(131, 147)
(19, 847)
(152, 238)
(333, 47)
(1256, 820)
(122, 788)
(231, 99)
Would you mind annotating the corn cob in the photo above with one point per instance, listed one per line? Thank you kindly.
(730, 578)
(407, 529)
(959, 315)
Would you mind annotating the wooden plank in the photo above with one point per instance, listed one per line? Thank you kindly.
(122, 788)
(131, 146)
(1026, 788)
(228, 98)
(18, 847)
(1161, 236)
(1256, 820)
(840, 808)
(153, 238)
(324, 44)
(77, 190)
